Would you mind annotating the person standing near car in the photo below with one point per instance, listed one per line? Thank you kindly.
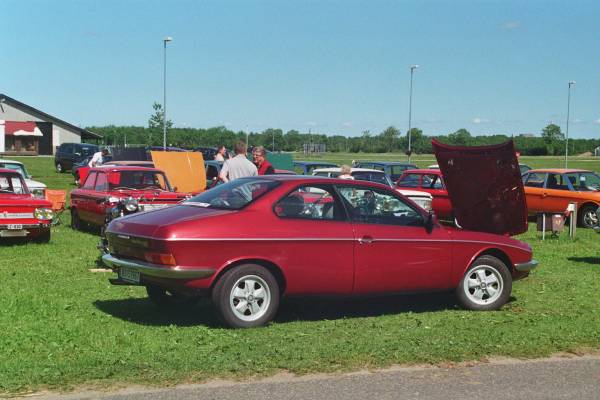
(262, 165)
(98, 158)
(238, 166)
(345, 172)
(220, 156)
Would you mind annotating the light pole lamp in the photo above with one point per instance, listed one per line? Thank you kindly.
(412, 70)
(165, 41)
(568, 112)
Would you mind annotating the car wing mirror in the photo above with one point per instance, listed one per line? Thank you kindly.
(430, 221)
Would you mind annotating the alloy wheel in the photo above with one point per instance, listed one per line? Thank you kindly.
(250, 298)
(483, 285)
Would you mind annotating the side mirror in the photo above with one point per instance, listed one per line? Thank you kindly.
(430, 221)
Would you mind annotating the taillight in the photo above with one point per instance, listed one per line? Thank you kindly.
(160, 258)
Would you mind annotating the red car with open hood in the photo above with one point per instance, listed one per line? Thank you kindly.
(250, 241)
(142, 188)
(21, 214)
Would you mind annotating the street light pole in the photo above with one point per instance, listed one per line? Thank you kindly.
(568, 115)
(165, 40)
(412, 70)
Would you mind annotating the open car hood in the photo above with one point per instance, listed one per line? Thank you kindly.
(485, 187)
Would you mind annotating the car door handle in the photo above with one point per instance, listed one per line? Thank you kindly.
(365, 240)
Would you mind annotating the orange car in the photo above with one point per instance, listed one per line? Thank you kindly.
(551, 190)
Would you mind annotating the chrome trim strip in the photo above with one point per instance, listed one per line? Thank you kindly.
(527, 266)
(159, 271)
(304, 239)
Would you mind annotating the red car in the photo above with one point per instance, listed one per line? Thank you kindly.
(250, 241)
(81, 173)
(430, 181)
(21, 214)
(144, 189)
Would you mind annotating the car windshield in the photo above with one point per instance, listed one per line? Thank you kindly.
(138, 180)
(378, 177)
(20, 168)
(584, 181)
(12, 184)
(233, 195)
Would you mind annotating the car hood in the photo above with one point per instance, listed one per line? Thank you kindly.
(414, 193)
(484, 185)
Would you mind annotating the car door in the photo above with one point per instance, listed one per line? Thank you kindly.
(533, 183)
(81, 198)
(393, 251)
(318, 241)
(557, 194)
(97, 205)
(434, 184)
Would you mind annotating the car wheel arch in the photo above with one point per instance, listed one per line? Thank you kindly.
(494, 252)
(268, 265)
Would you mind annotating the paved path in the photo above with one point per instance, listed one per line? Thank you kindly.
(554, 378)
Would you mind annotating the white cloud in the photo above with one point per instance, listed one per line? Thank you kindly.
(347, 124)
(509, 25)
(478, 120)
(597, 122)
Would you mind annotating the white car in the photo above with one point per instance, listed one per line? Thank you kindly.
(38, 189)
(423, 199)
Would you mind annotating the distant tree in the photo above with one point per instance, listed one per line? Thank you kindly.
(552, 134)
(156, 119)
(388, 137)
(461, 137)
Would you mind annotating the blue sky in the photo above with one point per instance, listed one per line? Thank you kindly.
(337, 67)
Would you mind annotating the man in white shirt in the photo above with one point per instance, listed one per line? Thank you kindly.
(238, 166)
(98, 158)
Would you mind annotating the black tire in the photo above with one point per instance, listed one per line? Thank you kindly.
(471, 286)
(236, 279)
(75, 220)
(587, 217)
(166, 298)
(60, 168)
(43, 237)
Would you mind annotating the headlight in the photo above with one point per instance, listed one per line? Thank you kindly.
(39, 193)
(115, 212)
(130, 204)
(43, 213)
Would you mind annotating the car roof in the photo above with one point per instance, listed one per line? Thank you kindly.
(339, 169)
(316, 179)
(558, 170)
(423, 171)
(314, 163)
(386, 162)
(113, 168)
(3, 160)
(9, 171)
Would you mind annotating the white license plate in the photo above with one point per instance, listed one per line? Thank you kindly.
(14, 227)
(129, 275)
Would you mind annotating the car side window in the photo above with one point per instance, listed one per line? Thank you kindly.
(534, 179)
(90, 181)
(101, 183)
(432, 181)
(373, 206)
(311, 202)
(557, 181)
(409, 180)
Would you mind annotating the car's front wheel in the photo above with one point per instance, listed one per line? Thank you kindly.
(59, 168)
(246, 296)
(75, 221)
(486, 285)
(43, 237)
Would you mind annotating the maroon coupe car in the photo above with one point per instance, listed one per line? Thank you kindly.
(21, 214)
(142, 188)
(250, 241)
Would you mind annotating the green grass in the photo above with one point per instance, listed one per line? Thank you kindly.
(63, 326)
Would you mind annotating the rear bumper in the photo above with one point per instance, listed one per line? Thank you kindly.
(526, 267)
(157, 271)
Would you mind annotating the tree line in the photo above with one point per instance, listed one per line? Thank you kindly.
(550, 142)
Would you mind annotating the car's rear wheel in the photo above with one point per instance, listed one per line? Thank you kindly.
(75, 220)
(246, 296)
(166, 298)
(486, 285)
(588, 217)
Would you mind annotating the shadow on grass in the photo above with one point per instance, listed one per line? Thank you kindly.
(143, 312)
(589, 260)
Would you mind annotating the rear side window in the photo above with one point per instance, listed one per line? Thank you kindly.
(90, 180)
(409, 180)
(432, 181)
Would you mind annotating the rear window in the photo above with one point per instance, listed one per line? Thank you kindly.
(233, 195)
(138, 180)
